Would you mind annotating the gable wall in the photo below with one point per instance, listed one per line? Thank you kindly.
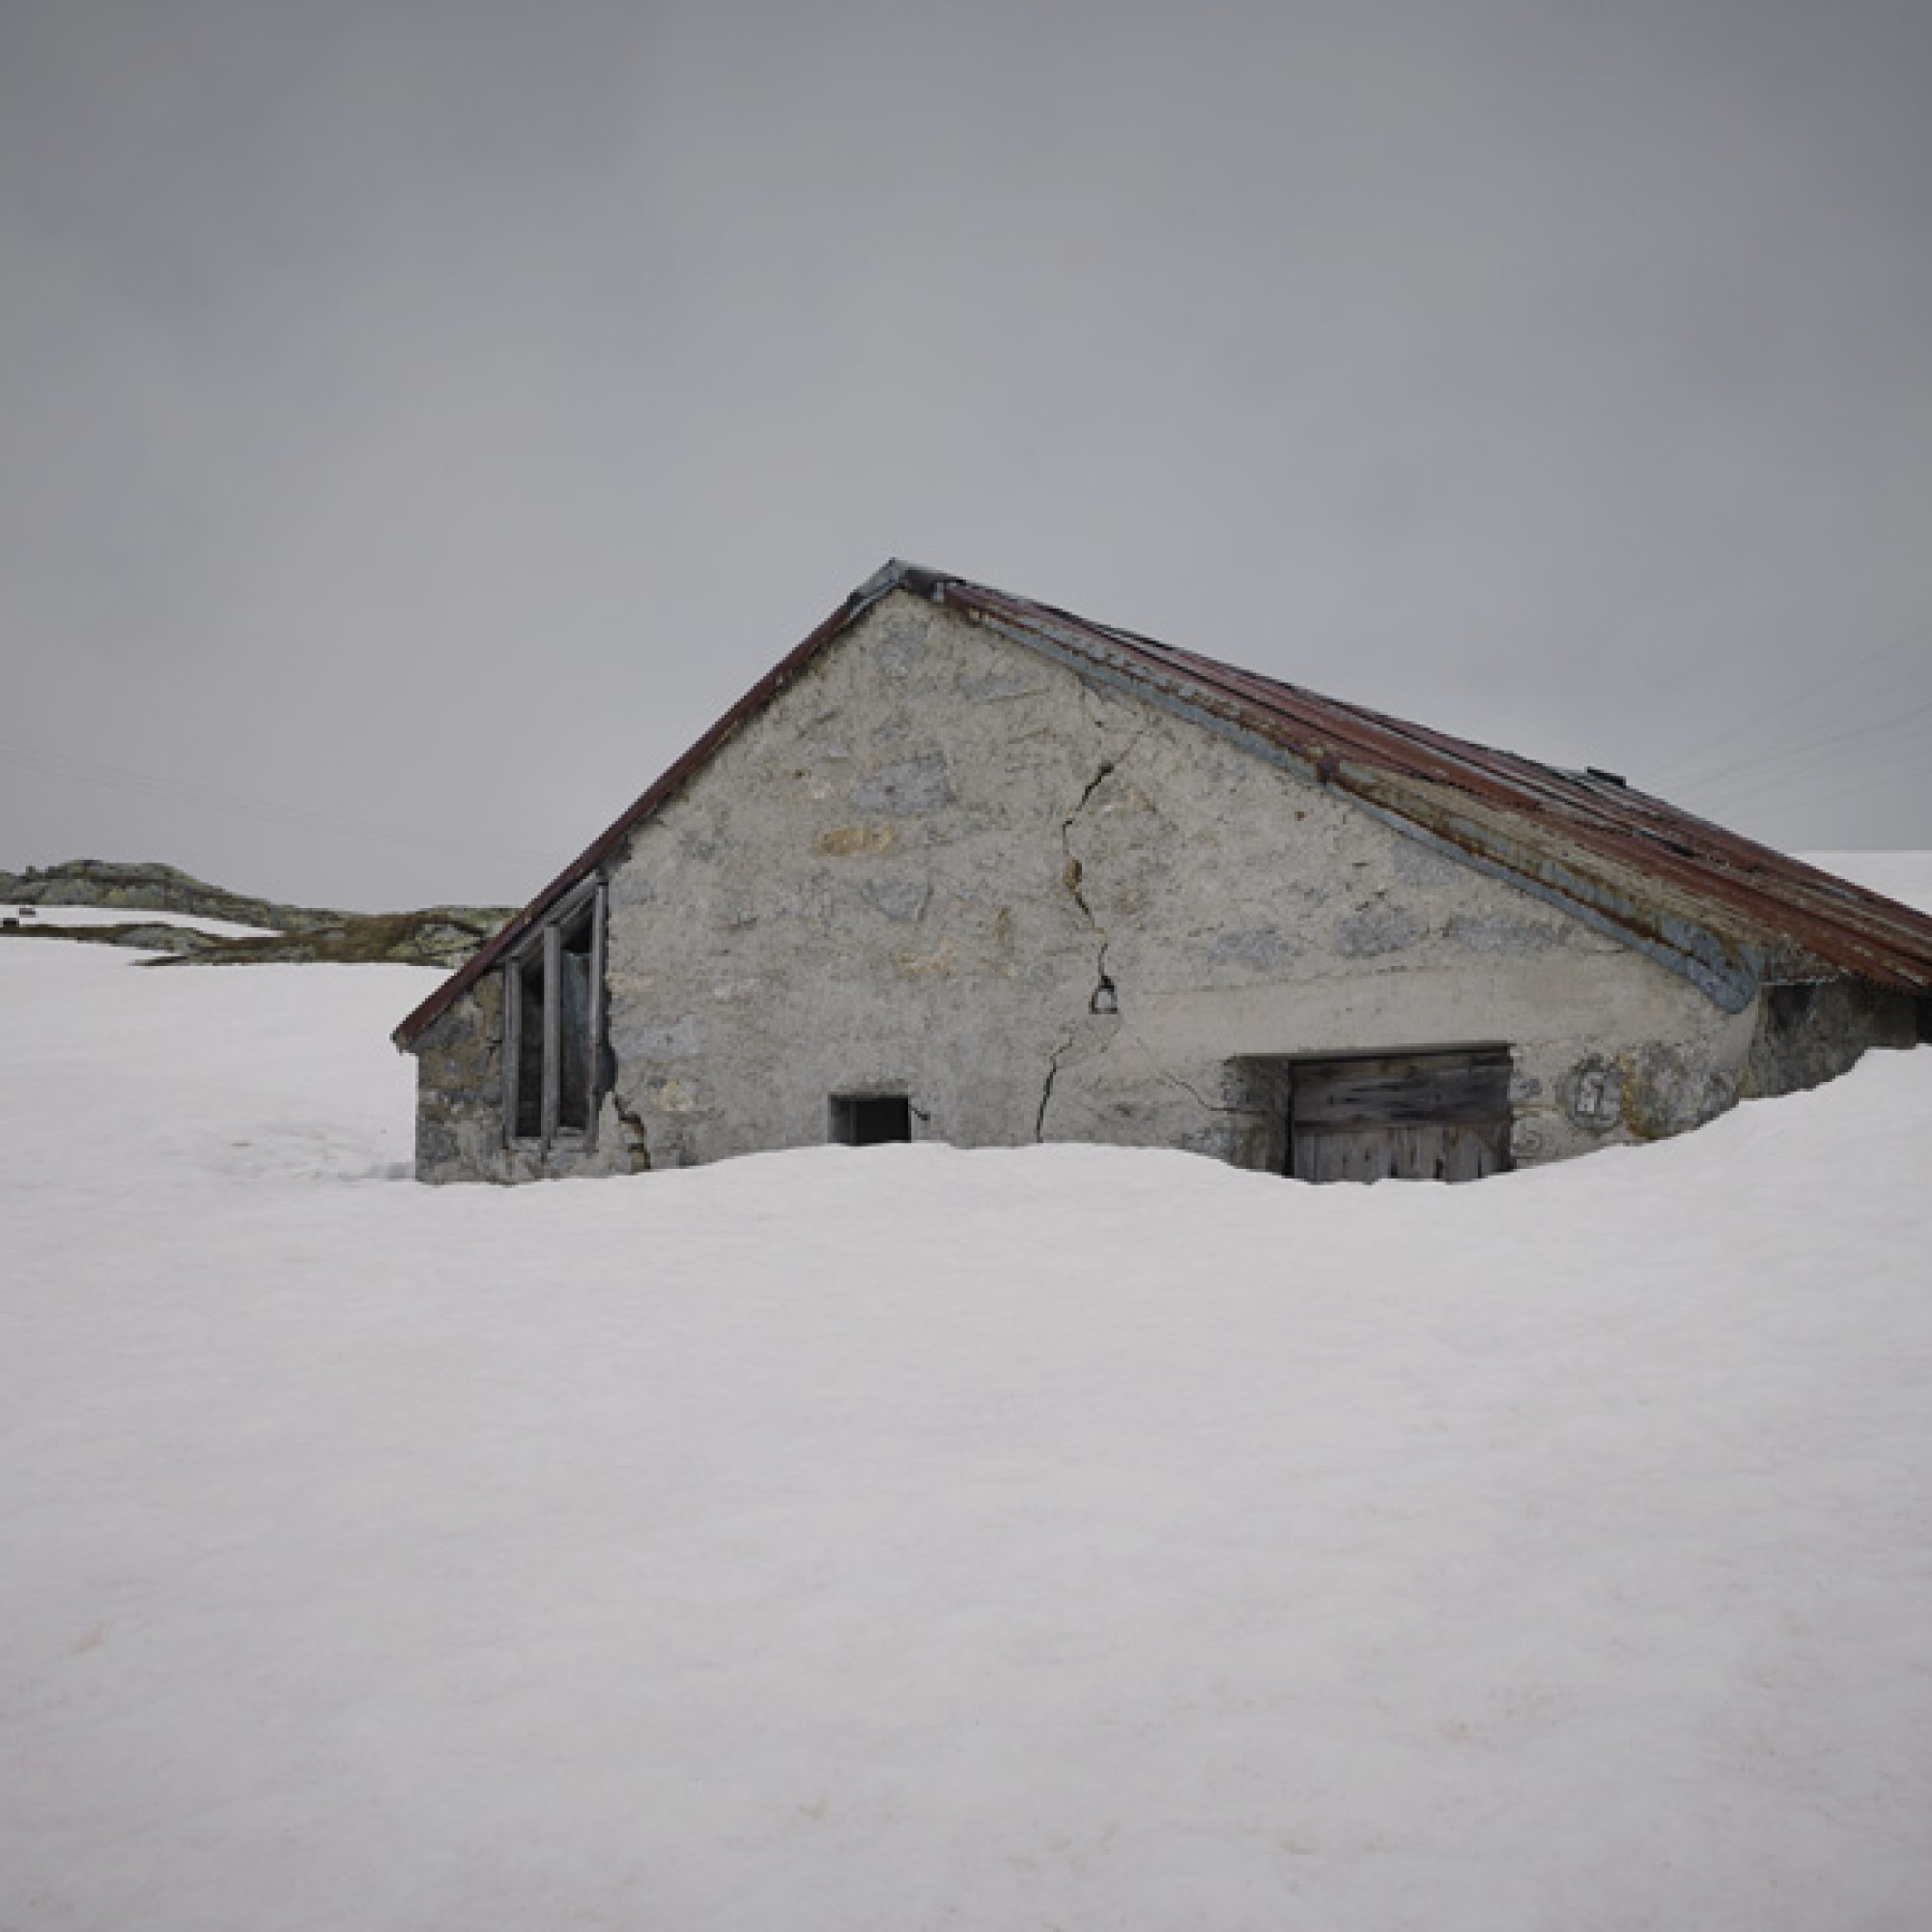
(912, 871)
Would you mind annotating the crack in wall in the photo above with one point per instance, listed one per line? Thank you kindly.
(1195, 1094)
(1046, 1089)
(632, 1124)
(1105, 997)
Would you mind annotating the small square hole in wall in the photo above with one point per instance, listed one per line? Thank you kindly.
(870, 1120)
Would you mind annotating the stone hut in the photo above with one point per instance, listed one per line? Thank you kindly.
(965, 867)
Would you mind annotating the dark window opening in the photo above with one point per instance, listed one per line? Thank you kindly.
(554, 1045)
(527, 979)
(870, 1120)
(1787, 1009)
(574, 1069)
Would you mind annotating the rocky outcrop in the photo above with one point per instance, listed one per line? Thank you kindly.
(146, 887)
(433, 936)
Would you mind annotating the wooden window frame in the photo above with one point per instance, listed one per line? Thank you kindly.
(546, 944)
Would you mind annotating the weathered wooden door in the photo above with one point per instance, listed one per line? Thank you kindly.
(1413, 1117)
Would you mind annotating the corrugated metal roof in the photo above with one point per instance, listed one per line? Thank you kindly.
(1723, 910)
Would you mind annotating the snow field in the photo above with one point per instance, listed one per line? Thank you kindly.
(66, 915)
(905, 1538)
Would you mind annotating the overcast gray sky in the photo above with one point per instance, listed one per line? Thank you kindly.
(423, 417)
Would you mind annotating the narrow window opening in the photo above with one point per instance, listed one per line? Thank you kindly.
(554, 1042)
(574, 1070)
(529, 979)
(870, 1120)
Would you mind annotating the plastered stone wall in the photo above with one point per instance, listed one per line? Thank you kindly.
(944, 864)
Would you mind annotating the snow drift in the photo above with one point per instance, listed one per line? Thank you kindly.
(902, 1538)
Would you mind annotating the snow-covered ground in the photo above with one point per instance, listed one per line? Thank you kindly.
(67, 914)
(902, 1538)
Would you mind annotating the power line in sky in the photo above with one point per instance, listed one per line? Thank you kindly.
(1693, 764)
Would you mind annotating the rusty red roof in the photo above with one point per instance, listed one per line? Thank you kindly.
(1723, 910)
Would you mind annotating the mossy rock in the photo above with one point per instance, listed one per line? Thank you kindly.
(437, 936)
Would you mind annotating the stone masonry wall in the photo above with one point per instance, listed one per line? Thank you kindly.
(1808, 1035)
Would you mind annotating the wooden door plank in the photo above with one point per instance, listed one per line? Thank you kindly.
(1420, 1117)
